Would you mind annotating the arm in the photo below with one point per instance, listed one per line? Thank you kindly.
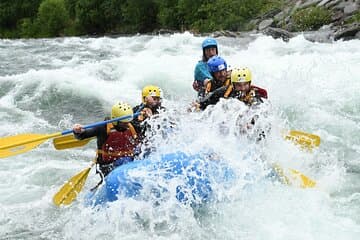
(201, 75)
(81, 133)
(212, 97)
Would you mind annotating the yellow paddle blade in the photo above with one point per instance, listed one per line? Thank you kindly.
(305, 140)
(68, 193)
(13, 145)
(305, 182)
(69, 141)
(294, 177)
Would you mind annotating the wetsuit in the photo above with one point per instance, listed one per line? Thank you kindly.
(144, 129)
(213, 92)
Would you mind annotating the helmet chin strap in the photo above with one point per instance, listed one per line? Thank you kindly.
(120, 127)
(240, 94)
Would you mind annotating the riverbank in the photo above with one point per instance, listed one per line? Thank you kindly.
(317, 20)
(339, 19)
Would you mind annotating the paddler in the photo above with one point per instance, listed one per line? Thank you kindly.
(252, 96)
(116, 142)
(241, 88)
(149, 109)
(216, 87)
(151, 97)
(201, 72)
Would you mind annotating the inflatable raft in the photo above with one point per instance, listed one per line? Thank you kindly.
(191, 179)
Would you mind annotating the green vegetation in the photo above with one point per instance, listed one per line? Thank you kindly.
(52, 18)
(311, 18)
(354, 18)
(14, 14)
(226, 14)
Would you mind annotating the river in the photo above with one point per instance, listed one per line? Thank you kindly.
(47, 85)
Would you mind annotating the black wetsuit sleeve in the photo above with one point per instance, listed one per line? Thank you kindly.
(99, 132)
(212, 98)
(91, 132)
(135, 122)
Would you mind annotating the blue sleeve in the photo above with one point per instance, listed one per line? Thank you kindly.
(201, 72)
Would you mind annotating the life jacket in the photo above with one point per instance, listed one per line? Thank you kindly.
(118, 144)
(211, 87)
(254, 95)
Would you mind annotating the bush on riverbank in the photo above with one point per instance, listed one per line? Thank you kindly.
(355, 18)
(52, 18)
(312, 18)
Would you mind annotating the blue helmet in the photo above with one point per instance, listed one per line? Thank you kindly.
(209, 42)
(216, 64)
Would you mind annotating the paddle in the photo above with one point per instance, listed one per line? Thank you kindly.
(13, 145)
(210, 94)
(69, 141)
(296, 178)
(305, 140)
(69, 191)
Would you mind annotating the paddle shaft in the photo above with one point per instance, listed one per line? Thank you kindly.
(48, 136)
(101, 123)
(210, 94)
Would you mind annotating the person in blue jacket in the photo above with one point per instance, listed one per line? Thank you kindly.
(216, 87)
(201, 72)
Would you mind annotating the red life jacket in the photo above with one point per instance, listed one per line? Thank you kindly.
(118, 144)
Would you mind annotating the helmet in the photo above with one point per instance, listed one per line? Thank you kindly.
(122, 109)
(239, 75)
(151, 90)
(216, 64)
(209, 42)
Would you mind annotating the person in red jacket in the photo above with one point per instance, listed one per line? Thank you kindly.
(116, 142)
(241, 89)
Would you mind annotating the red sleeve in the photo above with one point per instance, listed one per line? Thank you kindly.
(262, 92)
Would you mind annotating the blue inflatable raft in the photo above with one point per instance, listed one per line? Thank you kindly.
(191, 179)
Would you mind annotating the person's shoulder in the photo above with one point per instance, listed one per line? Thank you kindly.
(262, 92)
(200, 63)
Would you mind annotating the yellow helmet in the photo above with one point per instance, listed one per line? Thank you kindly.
(151, 90)
(240, 75)
(122, 109)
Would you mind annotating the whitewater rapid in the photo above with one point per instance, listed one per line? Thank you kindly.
(47, 85)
